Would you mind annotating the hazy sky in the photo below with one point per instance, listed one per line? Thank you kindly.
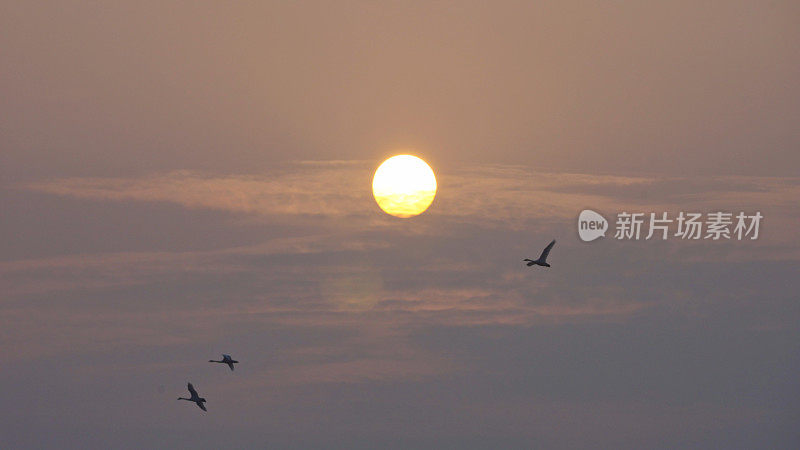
(179, 180)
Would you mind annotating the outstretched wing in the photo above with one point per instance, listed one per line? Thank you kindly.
(230, 364)
(224, 356)
(192, 391)
(546, 250)
(202, 406)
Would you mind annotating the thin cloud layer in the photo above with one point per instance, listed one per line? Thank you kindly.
(494, 193)
(351, 299)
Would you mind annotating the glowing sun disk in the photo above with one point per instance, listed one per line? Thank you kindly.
(404, 186)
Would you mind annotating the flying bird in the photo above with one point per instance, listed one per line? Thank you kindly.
(542, 261)
(226, 359)
(195, 398)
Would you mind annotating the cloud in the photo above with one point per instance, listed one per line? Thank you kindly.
(501, 195)
(431, 274)
(95, 271)
(323, 192)
(326, 296)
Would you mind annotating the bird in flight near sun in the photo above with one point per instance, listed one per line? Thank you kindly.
(195, 398)
(404, 186)
(542, 261)
(226, 359)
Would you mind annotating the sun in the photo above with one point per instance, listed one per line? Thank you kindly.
(404, 186)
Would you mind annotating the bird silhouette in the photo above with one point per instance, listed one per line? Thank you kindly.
(542, 261)
(226, 359)
(195, 398)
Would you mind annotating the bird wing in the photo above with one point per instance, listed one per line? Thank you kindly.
(192, 391)
(202, 406)
(546, 250)
(230, 364)
(224, 356)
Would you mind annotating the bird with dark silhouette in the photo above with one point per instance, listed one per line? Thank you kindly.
(542, 261)
(226, 359)
(195, 398)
